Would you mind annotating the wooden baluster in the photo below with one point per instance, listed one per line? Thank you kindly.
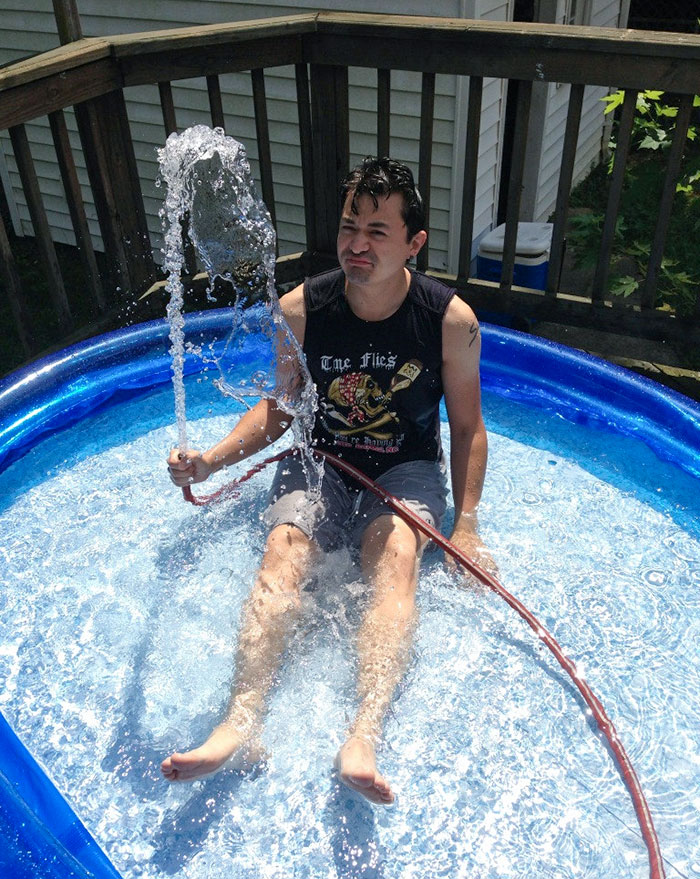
(673, 170)
(42, 230)
(383, 113)
(471, 162)
(624, 133)
(515, 186)
(216, 106)
(262, 131)
(425, 157)
(307, 154)
(76, 207)
(167, 106)
(566, 173)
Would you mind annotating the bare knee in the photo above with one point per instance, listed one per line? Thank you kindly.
(286, 562)
(391, 539)
(391, 551)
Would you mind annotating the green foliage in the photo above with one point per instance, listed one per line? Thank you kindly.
(585, 231)
(675, 287)
(679, 274)
(625, 286)
(654, 120)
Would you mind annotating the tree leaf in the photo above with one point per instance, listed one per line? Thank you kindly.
(613, 101)
(653, 142)
(624, 286)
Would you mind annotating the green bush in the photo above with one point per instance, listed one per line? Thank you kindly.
(652, 133)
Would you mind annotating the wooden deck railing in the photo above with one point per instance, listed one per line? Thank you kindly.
(91, 74)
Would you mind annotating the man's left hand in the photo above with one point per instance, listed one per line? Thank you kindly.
(466, 539)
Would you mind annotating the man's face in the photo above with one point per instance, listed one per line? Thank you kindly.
(373, 244)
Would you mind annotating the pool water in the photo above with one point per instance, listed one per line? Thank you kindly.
(120, 612)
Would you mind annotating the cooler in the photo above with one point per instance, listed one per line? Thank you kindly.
(531, 255)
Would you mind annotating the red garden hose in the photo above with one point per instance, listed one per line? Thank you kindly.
(656, 869)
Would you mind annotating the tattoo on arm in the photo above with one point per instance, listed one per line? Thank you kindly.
(473, 333)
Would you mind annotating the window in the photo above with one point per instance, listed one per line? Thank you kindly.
(575, 12)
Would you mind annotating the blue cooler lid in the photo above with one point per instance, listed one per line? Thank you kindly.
(533, 239)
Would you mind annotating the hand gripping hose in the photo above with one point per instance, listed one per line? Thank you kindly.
(605, 725)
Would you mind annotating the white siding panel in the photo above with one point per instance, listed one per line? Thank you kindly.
(133, 15)
(604, 13)
(495, 10)
(405, 132)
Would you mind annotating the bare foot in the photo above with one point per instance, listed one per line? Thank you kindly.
(225, 746)
(357, 767)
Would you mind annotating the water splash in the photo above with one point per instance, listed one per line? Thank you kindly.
(209, 186)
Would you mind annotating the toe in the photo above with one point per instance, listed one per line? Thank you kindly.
(362, 781)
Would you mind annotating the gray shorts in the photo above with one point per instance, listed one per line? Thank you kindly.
(340, 514)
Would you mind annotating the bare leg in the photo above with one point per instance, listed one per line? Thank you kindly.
(390, 557)
(267, 622)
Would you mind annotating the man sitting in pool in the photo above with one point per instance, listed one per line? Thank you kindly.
(383, 344)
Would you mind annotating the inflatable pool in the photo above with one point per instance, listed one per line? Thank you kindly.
(621, 430)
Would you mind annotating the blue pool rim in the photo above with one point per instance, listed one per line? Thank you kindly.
(61, 389)
(57, 391)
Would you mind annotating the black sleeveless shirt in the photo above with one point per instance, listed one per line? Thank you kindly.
(379, 382)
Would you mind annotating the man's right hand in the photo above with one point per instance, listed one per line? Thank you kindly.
(186, 468)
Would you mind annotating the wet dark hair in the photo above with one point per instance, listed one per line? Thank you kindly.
(382, 177)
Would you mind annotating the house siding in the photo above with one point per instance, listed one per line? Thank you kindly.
(541, 194)
(24, 33)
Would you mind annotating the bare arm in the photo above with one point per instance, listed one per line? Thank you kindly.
(258, 428)
(468, 442)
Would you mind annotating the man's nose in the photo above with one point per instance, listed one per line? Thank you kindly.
(359, 242)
